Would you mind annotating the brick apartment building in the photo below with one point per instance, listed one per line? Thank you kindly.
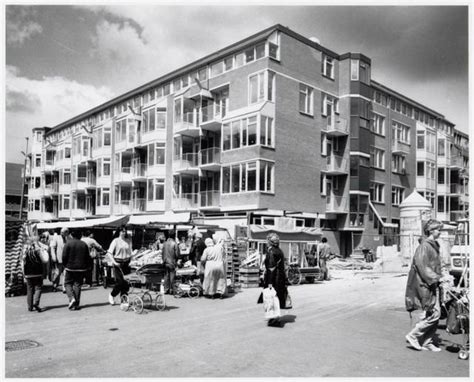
(275, 124)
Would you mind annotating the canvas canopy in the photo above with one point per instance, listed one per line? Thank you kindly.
(260, 232)
(112, 221)
(166, 218)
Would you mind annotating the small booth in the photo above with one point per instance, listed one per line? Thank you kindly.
(299, 245)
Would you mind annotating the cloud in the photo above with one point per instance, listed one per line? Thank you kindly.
(19, 24)
(44, 102)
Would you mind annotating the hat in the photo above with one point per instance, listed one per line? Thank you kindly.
(273, 239)
(64, 230)
(209, 242)
(199, 235)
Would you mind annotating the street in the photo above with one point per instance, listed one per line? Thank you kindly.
(351, 326)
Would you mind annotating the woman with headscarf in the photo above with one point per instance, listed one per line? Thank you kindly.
(274, 275)
(214, 272)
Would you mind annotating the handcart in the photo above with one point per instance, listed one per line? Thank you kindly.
(186, 284)
(457, 321)
(146, 289)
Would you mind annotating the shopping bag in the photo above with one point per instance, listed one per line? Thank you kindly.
(260, 299)
(271, 304)
(288, 302)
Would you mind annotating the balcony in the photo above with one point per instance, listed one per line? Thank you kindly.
(337, 204)
(400, 148)
(48, 166)
(188, 125)
(336, 127)
(78, 213)
(80, 184)
(51, 189)
(457, 189)
(211, 117)
(210, 199)
(186, 164)
(139, 171)
(123, 175)
(210, 159)
(123, 207)
(336, 165)
(456, 162)
(91, 181)
(138, 205)
(186, 201)
(458, 215)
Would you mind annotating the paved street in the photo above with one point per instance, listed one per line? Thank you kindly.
(352, 326)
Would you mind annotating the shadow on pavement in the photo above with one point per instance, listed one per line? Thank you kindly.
(282, 321)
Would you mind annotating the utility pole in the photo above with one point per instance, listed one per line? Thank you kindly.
(23, 179)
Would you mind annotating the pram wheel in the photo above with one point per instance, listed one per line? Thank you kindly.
(160, 302)
(463, 354)
(124, 303)
(193, 292)
(178, 293)
(147, 299)
(137, 305)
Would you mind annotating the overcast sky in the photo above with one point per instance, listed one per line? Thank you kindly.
(64, 60)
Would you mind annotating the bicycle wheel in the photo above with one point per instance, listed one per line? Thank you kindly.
(147, 300)
(160, 302)
(294, 276)
(137, 305)
(193, 292)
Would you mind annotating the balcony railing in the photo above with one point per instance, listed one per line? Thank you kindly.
(186, 162)
(139, 170)
(210, 156)
(457, 189)
(123, 207)
(336, 126)
(400, 148)
(186, 201)
(139, 205)
(91, 181)
(80, 183)
(123, 174)
(187, 125)
(211, 116)
(337, 164)
(457, 162)
(210, 198)
(337, 204)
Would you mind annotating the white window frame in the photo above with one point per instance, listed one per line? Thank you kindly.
(378, 158)
(328, 61)
(378, 192)
(397, 195)
(379, 124)
(308, 93)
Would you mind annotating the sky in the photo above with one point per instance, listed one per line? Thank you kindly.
(64, 60)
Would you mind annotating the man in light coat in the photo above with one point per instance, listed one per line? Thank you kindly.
(422, 291)
(57, 244)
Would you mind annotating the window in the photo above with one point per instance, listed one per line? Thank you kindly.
(441, 147)
(273, 45)
(378, 125)
(261, 87)
(245, 132)
(106, 167)
(107, 135)
(420, 139)
(202, 74)
(328, 66)
(266, 131)
(260, 51)
(38, 160)
(430, 170)
(106, 196)
(149, 120)
(377, 192)
(398, 163)
(229, 63)
(400, 132)
(397, 195)
(160, 153)
(306, 99)
(120, 130)
(441, 175)
(67, 177)
(364, 73)
(420, 168)
(244, 177)
(329, 105)
(217, 68)
(377, 158)
(156, 189)
(160, 118)
(66, 201)
(441, 204)
(354, 70)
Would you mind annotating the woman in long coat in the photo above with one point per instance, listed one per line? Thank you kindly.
(275, 269)
(214, 273)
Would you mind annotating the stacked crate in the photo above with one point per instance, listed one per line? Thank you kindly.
(233, 262)
(249, 277)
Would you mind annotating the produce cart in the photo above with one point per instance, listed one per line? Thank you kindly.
(297, 245)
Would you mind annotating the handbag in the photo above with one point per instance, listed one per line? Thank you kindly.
(288, 302)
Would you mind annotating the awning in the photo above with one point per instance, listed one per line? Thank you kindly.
(260, 232)
(112, 221)
(166, 218)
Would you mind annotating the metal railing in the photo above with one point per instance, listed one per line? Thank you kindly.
(210, 198)
(185, 161)
(139, 170)
(213, 112)
(139, 205)
(336, 203)
(335, 124)
(400, 147)
(210, 156)
(185, 201)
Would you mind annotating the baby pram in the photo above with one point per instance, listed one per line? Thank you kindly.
(146, 289)
(185, 283)
(457, 321)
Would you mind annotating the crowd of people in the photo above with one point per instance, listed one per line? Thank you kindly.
(70, 259)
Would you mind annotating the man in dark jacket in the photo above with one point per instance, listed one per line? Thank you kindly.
(422, 292)
(197, 249)
(77, 262)
(170, 256)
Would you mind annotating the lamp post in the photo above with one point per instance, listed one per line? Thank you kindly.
(23, 179)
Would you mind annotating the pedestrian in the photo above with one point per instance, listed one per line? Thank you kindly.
(57, 245)
(422, 290)
(120, 254)
(170, 256)
(44, 241)
(94, 248)
(77, 262)
(196, 252)
(214, 273)
(33, 258)
(324, 253)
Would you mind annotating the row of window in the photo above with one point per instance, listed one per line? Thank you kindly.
(248, 131)
(377, 193)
